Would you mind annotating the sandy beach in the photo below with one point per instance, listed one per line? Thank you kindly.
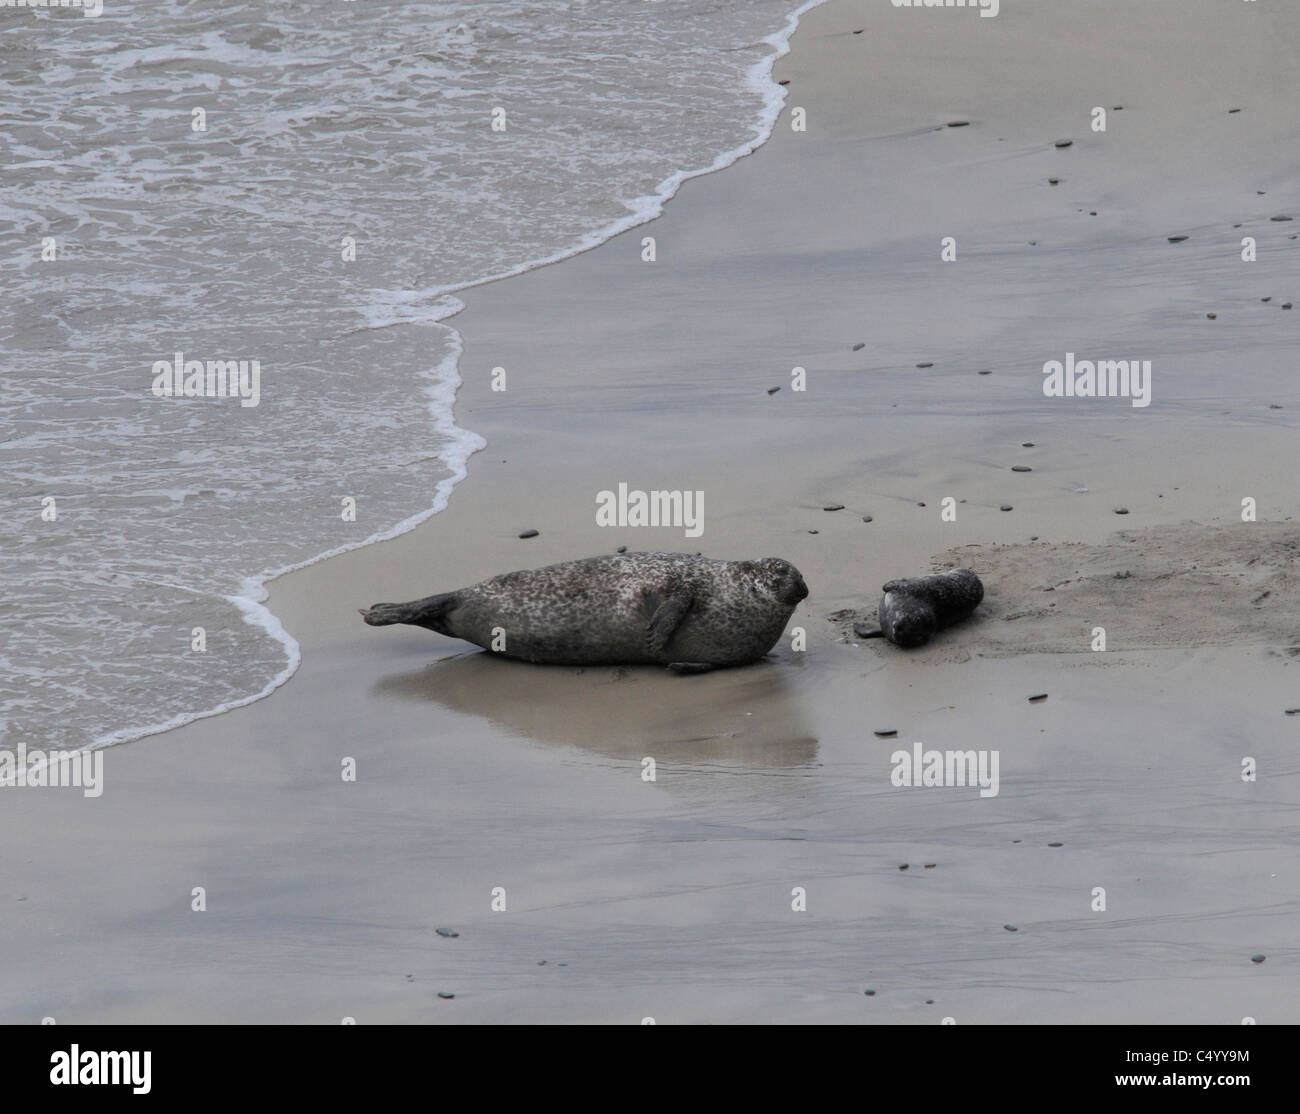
(506, 801)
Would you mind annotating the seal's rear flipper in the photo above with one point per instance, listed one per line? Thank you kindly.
(684, 667)
(427, 612)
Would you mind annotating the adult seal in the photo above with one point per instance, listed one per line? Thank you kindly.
(911, 610)
(691, 614)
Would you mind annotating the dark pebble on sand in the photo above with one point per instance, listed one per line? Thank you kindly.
(1286, 305)
(834, 507)
(903, 866)
(541, 963)
(1176, 239)
(1121, 510)
(1289, 711)
(1065, 143)
(1005, 507)
(1011, 928)
(958, 123)
(1211, 316)
(1232, 110)
(866, 518)
(445, 994)
(1038, 699)
(1268, 299)
(930, 866)
(859, 30)
(1117, 108)
(622, 549)
(1092, 212)
(1021, 468)
(1257, 959)
(1056, 845)
(894, 731)
(814, 531)
(920, 504)
(929, 1001)
(1026, 444)
(925, 365)
(986, 371)
(860, 344)
(1033, 537)
(1053, 181)
(773, 390)
(1279, 218)
(785, 82)
(530, 534)
(450, 933)
(869, 993)
(1274, 406)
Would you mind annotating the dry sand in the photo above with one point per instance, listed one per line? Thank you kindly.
(673, 898)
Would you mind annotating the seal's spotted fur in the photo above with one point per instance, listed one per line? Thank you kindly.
(912, 610)
(689, 613)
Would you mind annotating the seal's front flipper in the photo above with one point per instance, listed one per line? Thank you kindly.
(684, 667)
(667, 618)
(864, 631)
(428, 612)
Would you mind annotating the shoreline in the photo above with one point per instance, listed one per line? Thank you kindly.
(255, 588)
(673, 899)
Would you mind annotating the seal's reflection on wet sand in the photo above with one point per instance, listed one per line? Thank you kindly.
(749, 716)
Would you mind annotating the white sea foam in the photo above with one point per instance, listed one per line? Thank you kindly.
(321, 123)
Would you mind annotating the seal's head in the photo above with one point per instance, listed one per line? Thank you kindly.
(906, 620)
(781, 579)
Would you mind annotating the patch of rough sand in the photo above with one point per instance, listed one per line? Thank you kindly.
(1168, 586)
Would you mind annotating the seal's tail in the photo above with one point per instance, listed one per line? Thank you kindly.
(428, 612)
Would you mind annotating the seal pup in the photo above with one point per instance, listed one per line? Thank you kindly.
(911, 610)
(689, 613)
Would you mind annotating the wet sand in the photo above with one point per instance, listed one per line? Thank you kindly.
(672, 899)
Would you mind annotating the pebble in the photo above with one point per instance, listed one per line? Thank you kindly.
(893, 731)
(1232, 110)
(920, 504)
(773, 390)
(1280, 217)
(541, 963)
(1056, 845)
(1006, 506)
(1176, 239)
(1211, 316)
(929, 1001)
(1033, 537)
(446, 994)
(958, 123)
(986, 371)
(1065, 143)
(785, 82)
(866, 518)
(1268, 299)
(930, 866)
(925, 365)
(902, 866)
(1274, 406)
(1121, 510)
(1011, 928)
(1289, 711)
(869, 993)
(1286, 305)
(622, 549)
(814, 531)
(860, 344)
(1026, 444)
(1038, 698)
(1053, 181)
(1257, 959)
(530, 533)
(1021, 468)
(834, 507)
(450, 933)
